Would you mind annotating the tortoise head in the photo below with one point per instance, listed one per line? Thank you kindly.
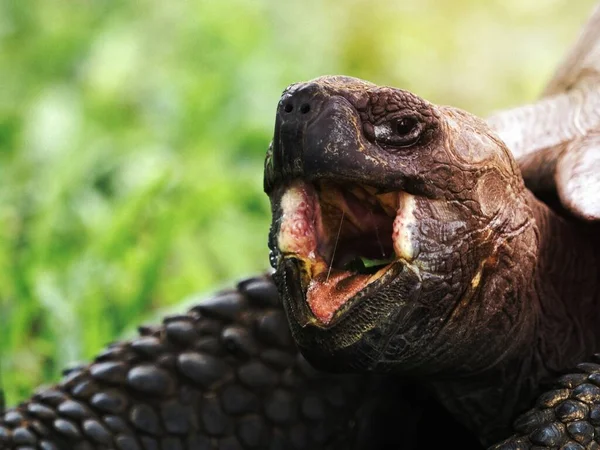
(391, 217)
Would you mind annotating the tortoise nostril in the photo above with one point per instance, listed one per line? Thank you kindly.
(288, 108)
(305, 108)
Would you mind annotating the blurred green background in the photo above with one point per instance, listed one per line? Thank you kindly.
(132, 135)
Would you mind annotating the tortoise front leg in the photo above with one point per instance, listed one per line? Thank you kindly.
(578, 176)
(538, 134)
(226, 375)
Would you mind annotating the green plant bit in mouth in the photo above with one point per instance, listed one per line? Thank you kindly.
(363, 265)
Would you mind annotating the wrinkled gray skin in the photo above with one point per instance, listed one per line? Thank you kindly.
(502, 293)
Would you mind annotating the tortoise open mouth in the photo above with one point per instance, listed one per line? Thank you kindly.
(345, 238)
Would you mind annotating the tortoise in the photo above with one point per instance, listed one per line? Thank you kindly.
(428, 289)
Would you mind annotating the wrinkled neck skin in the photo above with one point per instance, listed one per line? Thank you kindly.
(556, 282)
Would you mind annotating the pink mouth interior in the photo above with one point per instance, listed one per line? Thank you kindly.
(336, 229)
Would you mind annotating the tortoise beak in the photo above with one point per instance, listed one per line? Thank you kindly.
(318, 135)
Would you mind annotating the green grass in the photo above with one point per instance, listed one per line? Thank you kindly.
(132, 136)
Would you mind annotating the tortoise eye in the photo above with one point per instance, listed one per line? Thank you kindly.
(405, 126)
(399, 132)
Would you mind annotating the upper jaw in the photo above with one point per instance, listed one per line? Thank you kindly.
(327, 142)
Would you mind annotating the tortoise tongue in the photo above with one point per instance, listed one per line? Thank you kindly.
(327, 293)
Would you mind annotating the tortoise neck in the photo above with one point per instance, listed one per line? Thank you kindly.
(566, 286)
(557, 287)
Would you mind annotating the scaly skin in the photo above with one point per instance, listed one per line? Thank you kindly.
(226, 375)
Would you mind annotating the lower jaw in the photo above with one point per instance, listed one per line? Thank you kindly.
(356, 336)
(325, 300)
